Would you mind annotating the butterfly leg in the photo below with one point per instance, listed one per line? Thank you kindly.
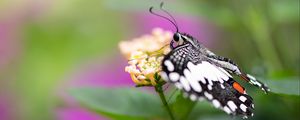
(171, 45)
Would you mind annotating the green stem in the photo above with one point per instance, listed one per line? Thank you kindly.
(159, 90)
(186, 114)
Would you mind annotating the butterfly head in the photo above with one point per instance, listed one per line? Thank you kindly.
(178, 38)
(182, 38)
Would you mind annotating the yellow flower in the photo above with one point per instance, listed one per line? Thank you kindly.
(144, 56)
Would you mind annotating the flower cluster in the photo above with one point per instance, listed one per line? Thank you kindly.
(144, 56)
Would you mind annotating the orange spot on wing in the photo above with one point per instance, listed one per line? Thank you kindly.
(238, 87)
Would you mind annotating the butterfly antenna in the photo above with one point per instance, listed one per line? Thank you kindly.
(173, 22)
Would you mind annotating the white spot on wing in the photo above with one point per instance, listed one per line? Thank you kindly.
(222, 74)
(216, 103)
(251, 77)
(193, 97)
(243, 107)
(185, 83)
(225, 72)
(174, 76)
(164, 76)
(210, 82)
(222, 86)
(227, 110)
(231, 105)
(169, 65)
(217, 74)
(243, 98)
(201, 73)
(209, 87)
(209, 96)
(178, 85)
(190, 77)
(209, 74)
(254, 82)
(196, 70)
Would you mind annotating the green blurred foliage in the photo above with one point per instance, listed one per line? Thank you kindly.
(121, 103)
(59, 40)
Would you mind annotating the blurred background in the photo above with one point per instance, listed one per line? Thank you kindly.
(50, 46)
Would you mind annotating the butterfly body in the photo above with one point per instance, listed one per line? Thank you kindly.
(202, 74)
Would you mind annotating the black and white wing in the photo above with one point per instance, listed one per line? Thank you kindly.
(200, 79)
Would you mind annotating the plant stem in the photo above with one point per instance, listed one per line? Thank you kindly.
(159, 90)
(186, 114)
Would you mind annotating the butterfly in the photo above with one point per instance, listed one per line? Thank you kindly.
(202, 74)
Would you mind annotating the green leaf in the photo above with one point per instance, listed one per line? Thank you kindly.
(204, 108)
(219, 117)
(120, 101)
(182, 107)
(289, 87)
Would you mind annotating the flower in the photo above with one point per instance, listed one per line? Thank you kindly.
(144, 56)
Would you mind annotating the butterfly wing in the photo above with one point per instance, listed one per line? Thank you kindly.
(199, 79)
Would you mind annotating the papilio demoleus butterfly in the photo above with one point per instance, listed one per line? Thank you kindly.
(201, 74)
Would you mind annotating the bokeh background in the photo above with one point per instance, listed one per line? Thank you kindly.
(50, 46)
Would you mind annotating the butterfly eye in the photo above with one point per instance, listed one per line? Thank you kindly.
(176, 37)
